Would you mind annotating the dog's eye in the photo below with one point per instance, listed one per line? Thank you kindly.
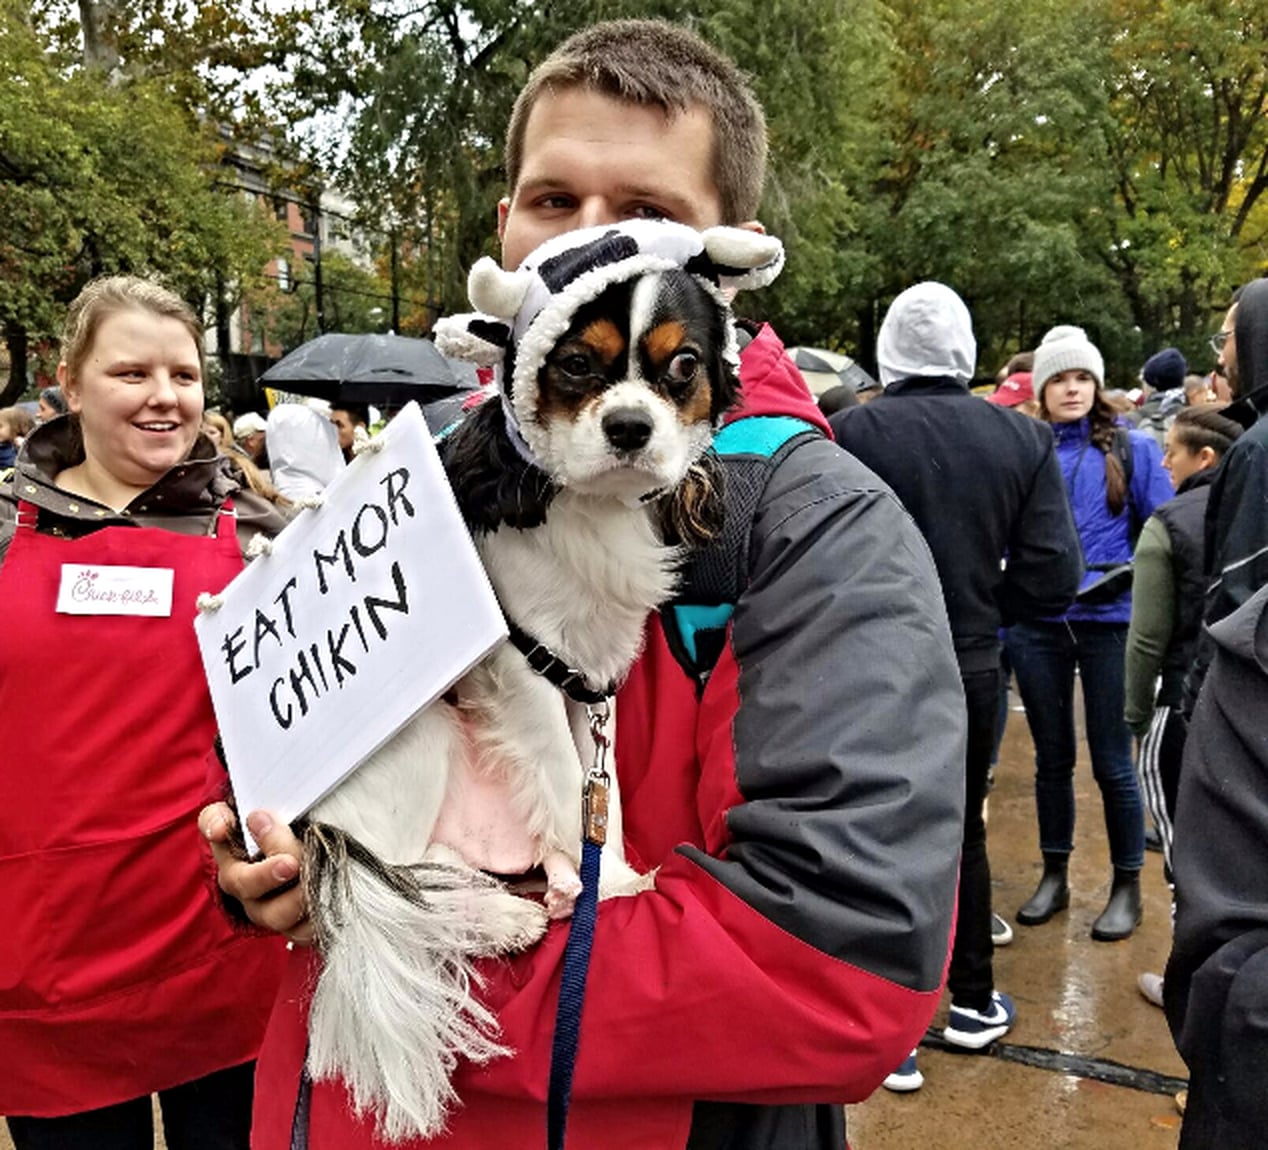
(682, 369)
(576, 366)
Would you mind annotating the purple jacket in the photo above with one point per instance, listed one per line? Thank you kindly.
(1107, 538)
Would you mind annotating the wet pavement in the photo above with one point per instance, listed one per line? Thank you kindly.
(1090, 1064)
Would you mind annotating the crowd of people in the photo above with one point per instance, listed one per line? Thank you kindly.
(812, 805)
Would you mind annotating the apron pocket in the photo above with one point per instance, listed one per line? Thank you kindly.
(125, 912)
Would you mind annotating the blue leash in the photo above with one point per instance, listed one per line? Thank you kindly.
(572, 983)
(572, 990)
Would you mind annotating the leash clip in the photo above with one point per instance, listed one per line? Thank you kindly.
(594, 796)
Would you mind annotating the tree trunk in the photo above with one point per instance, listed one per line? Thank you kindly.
(100, 52)
(15, 339)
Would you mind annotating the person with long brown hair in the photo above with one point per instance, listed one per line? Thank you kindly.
(1096, 455)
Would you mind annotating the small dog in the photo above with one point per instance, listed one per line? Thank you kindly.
(584, 488)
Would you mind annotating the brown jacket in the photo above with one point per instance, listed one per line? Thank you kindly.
(186, 500)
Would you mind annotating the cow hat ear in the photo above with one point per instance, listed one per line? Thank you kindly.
(473, 337)
(495, 291)
(742, 258)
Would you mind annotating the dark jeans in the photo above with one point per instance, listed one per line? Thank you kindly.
(1044, 657)
(212, 1113)
(971, 977)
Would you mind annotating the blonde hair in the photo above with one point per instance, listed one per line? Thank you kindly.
(657, 64)
(20, 421)
(108, 295)
(222, 425)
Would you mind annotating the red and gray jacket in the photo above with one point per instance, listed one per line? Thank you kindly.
(804, 808)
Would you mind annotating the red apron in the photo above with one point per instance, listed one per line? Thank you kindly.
(119, 974)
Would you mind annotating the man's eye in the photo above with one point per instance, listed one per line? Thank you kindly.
(682, 368)
(648, 212)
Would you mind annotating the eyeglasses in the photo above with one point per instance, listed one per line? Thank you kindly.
(1218, 340)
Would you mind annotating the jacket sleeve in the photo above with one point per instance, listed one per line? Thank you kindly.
(1045, 561)
(1152, 622)
(798, 952)
(1216, 982)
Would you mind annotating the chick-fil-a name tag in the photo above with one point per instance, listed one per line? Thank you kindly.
(92, 590)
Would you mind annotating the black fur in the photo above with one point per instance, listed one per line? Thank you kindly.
(492, 482)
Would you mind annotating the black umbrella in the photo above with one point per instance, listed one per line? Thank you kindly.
(380, 369)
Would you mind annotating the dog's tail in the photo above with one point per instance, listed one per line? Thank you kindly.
(393, 1011)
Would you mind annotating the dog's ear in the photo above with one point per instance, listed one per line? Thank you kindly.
(693, 513)
(493, 484)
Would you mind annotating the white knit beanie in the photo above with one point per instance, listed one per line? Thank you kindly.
(1065, 348)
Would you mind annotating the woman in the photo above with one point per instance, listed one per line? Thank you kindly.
(1068, 378)
(15, 425)
(1168, 594)
(119, 976)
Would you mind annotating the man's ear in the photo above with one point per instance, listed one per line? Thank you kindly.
(504, 207)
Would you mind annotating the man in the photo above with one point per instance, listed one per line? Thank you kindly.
(249, 434)
(802, 809)
(984, 487)
(349, 420)
(1217, 976)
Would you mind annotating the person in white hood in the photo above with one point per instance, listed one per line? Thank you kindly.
(303, 448)
(981, 482)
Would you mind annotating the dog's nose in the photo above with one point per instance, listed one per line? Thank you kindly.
(627, 428)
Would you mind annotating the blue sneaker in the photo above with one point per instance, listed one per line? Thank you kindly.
(906, 1078)
(974, 1029)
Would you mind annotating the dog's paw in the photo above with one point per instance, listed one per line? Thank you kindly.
(512, 923)
(561, 896)
(617, 878)
(563, 884)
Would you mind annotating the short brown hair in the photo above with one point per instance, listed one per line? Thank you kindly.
(107, 295)
(662, 65)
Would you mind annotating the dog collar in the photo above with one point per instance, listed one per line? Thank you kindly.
(552, 668)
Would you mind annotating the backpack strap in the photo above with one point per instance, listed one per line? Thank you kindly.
(695, 623)
(1126, 456)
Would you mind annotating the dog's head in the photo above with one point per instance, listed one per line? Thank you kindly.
(618, 352)
(627, 399)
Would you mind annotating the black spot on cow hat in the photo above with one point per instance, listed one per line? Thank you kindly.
(526, 311)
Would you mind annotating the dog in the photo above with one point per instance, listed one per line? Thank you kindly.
(584, 487)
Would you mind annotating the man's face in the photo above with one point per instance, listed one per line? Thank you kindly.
(346, 427)
(1226, 363)
(590, 159)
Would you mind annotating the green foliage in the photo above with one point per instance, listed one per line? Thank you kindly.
(1082, 161)
(107, 173)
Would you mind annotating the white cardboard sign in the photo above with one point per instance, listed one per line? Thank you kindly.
(368, 609)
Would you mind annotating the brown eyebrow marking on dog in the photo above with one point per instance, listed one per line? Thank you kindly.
(664, 339)
(605, 337)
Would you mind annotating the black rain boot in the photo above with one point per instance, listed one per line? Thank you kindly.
(1123, 911)
(1052, 894)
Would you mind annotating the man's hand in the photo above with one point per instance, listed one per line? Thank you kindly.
(269, 890)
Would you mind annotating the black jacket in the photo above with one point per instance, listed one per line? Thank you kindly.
(1183, 517)
(984, 486)
(1237, 512)
(1216, 983)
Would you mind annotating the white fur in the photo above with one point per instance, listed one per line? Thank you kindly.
(393, 1010)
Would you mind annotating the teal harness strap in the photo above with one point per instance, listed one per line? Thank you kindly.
(696, 623)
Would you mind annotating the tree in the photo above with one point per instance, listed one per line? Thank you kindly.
(103, 172)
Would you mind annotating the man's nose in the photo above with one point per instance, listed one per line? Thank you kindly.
(594, 212)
